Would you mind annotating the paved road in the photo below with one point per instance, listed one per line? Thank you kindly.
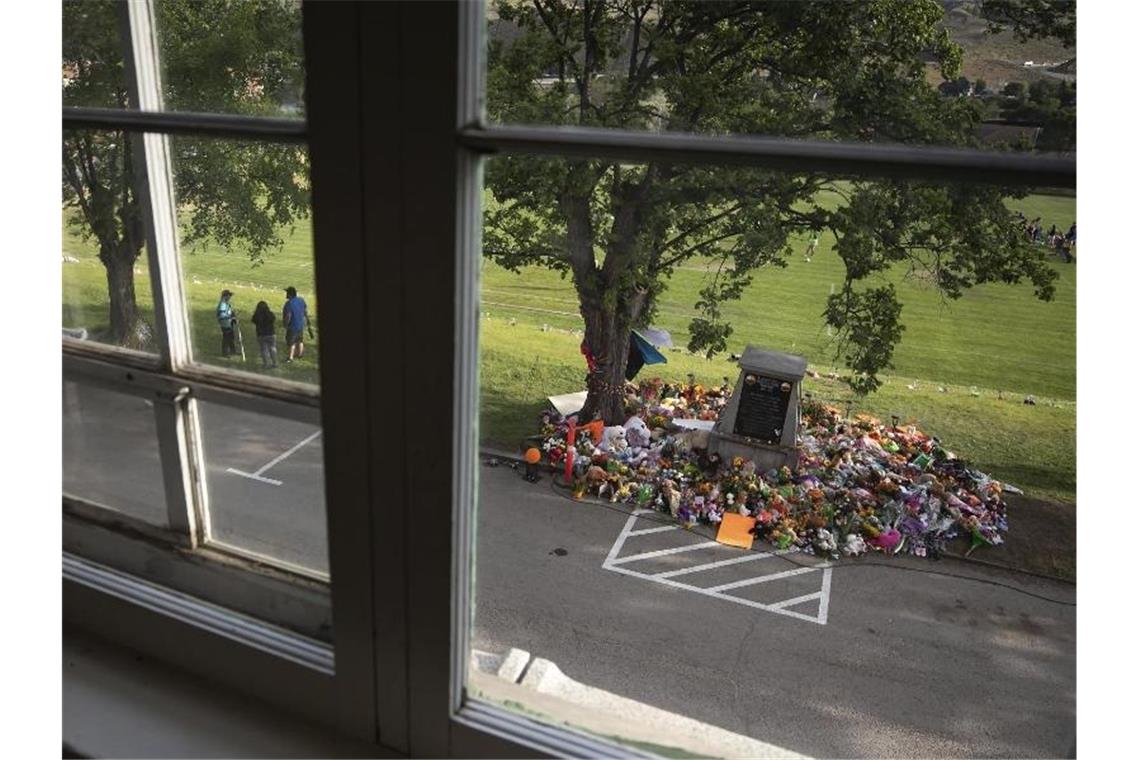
(908, 664)
(880, 661)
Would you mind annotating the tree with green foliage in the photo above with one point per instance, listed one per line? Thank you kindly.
(1033, 19)
(1053, 105)
(1014, 90)
(825, 70)
(229, 56)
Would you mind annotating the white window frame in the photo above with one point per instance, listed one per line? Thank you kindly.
(396, 136)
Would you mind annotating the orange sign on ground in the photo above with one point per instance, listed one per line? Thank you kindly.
(595, 429)
(736, 530)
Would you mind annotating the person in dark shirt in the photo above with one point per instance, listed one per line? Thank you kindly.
(266, 322)
(295, 315)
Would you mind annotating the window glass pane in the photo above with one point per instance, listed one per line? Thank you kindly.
(265, 478)
(106, 283)
(93, 71)
(244, 213)
(617, 576)
(217, 56)
(993, 75)
(110, 452)
(232, 56)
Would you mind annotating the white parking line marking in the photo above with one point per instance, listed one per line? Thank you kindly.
(614, 564)
(797, 600)
(273, 462)
(735, 560)
(647, 531)
(663, 552)
(254, 476)
(762, 579)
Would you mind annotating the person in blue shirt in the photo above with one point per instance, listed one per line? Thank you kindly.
(225, 314)
(295, 316)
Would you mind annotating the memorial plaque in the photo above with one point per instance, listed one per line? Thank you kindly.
(759, 421)
(763, 408)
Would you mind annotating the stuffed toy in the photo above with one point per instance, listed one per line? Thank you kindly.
(613, 440)
(672, 496)
(637, 432)
(853, 545)
(824, 541)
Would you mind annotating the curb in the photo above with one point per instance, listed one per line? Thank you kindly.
(1008, 568)
(541, 687)
(500, 454)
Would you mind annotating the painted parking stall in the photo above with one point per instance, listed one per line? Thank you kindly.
(701, 559)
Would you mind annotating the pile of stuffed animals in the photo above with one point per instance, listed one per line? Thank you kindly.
(860, 486)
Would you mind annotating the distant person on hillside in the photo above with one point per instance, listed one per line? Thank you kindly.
(266, 322)
(295, 315)
(226, 317)
(1061, 247)
(812, 246)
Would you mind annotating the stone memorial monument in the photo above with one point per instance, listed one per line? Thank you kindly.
(763, 415)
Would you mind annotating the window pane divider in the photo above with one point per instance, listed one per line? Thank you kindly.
(177, 447)
(187, 123)
(924, 162)
(248, 395)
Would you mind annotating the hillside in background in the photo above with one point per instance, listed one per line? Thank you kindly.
(1000, 58)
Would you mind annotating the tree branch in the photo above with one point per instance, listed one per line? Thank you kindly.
(694, 227)
(694, 248)
(76, 184)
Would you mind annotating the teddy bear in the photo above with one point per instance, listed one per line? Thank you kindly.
(613, 440)
(824, 541)
(637, 433)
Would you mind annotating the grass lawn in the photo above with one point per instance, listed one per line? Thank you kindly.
(205, 274)
(987, 351)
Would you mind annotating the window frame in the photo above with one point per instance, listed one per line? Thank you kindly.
(397, 134)
(158, 589)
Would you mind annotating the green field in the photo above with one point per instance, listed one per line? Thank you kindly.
(962, 370)
(968, 364)
(205, 273)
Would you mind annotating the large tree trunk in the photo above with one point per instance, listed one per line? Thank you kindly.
(119, 261)
(607, 337)
(610, 305)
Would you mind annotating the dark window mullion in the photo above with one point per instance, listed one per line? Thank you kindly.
(187, 123)
(923, 162)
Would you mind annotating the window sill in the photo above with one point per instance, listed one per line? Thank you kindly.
(117, 703)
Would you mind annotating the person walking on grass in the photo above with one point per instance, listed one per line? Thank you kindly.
(295, 316)
(226, 316)
(266, 322)
(812, 246)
